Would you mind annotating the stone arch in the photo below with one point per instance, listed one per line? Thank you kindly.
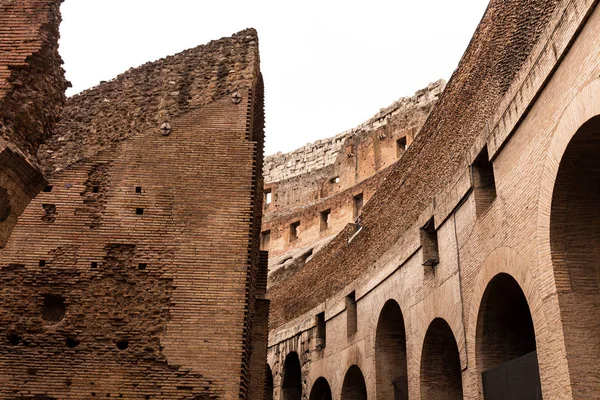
(268, 383)
(291, 388)
(575, 253)
(354, 387)
(320, 390)
(390, 354)
(441, 377)
(505, 342)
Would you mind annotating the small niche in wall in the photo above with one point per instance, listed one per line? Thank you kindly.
(358, 204)
(122, 344)
(49, 213)
(335, 179)
(48, 189)
(321, 338)
(139, 211)
(429, 244)
(138, 189)
(484, 183)
(325, 219)
(53, 310)
(142, 266)
(265, 240)
(294, 231)
(401, 146)
(351, 315)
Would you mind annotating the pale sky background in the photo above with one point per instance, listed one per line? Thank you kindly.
(328, 65)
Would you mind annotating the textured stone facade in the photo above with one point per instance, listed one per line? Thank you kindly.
(475, 261)
(322, 186)
(135, 272)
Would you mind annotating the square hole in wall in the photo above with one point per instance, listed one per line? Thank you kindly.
(265, 240)
(95, 189)
(48, 188)
(139, 211)
(429, 244)
(138, 189)
(94, 264)
(401, 146)
(294, 230)
(42, 263)
(358, 204)
(142, 266)
(335, 179)
(325, 219)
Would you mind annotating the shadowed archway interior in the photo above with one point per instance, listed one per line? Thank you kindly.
(291, 389)
(320, 390)
(390, 354)
(354, 387)
(441, 377)
(505, 343)
(575, 247)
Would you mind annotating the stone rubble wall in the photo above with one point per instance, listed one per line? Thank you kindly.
(324, 152)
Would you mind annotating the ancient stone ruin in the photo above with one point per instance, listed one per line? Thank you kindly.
(130, 265)
(447, 248)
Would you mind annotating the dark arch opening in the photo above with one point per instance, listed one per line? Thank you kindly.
(505, 342)
(268, 383)
(575, 247)
(441, 377)
(53, 309)
(390, 354)
(320, 390)
(291, 389)
(354, 387)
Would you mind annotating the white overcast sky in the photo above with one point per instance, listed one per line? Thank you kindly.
(328, 65)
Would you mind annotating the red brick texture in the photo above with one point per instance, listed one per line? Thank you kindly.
(135, 274)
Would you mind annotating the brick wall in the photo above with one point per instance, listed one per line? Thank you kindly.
(134, 273)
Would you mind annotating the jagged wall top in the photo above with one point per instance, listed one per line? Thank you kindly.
(32, 82)
(145, 97)
(324, 152)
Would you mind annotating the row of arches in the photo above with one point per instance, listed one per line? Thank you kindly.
(505, 341)
(505, 345)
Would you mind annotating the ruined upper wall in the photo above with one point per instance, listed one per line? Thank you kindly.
(324, 152)
(145, 97)
(499, 48)
(32, 82)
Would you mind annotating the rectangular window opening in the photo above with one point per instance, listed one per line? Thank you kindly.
(401, 146)
(268, 196)
(321, 334)
(351, 315)
(294, 230)
(138, 189)
(429, 244)
(48, 188)
(325, 220)
(335, 179)
(484, 184)
(265, 240)
(358, 204)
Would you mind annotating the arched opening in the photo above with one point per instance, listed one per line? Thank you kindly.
(575, 246)
(320, 390)
(390, 354)
(291, 389)
(268, 383)
(354, 387)
(505, 342)
(441, 377)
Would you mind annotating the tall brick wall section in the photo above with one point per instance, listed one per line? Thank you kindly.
(500, 45)
(32, 82)
(32, 86)
(133, 274)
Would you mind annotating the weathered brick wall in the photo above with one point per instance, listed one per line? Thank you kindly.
(32, 89)
(515, 272)
(498, 49)
(145, 97)
(32, 82)
(133, 274)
